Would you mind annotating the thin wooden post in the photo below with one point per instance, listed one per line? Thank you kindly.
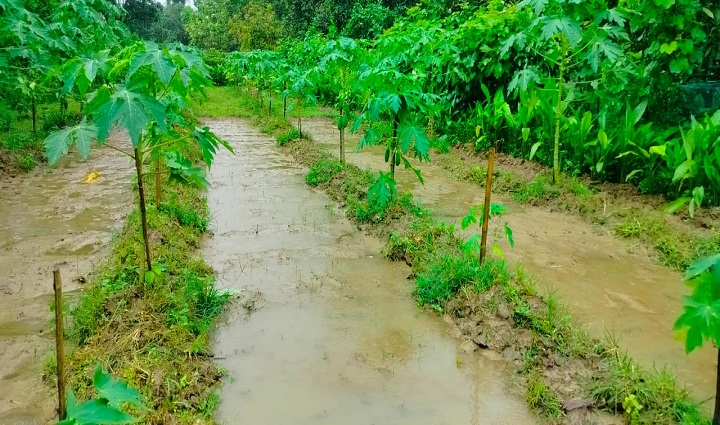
(285, 102)
(299, 117)
(59, 343)
(486, 212)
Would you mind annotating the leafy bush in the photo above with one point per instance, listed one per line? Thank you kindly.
(7, 117)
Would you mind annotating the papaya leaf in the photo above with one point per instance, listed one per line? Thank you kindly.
(116, 392)
(81, 135)
(130, 110)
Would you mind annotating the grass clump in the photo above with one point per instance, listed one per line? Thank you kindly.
(323, 172)
(286, 136)
(155, 336)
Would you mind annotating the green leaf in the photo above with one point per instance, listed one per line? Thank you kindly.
(561, 26)
(660, 150)
(684, 170)
(676, 204)
(665, 4)
(700, 266)
(412, 134)
(81, 135)
(470, 218)
(116, 392)
(526, 134)
(159, 61)
(383, 190)
(523, 79)
(668, 48)
(701, 314)
(680, 65)
(130, 110)
(184, 171)
(209, 143)
(534, 149)
(509, 234)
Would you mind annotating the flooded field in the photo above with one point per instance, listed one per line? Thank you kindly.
(333, 334)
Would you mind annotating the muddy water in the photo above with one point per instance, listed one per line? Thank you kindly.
(608, 284)
(334, 336)
(46, 218)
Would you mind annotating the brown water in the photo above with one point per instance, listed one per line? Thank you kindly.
(607, 283)
(335, 336)
(46, 218)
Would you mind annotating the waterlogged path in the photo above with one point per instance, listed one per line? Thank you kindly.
(49, 217)
(607, 284)
(334, 335)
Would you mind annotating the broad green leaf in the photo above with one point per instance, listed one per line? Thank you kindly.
(632, 174)
(701, 265)
(412, 134)
(676, 204)
(184, 171)
(209, 143)
(683, 171)
(81, 135)
(93, 412)
(680, 65)
(130, 110)
(701, 314)
(116, 392)
(470, 218)
(534, 149)
(660, 150)
(509, 235)
(383, 190)
(526, 134)
(159, 62)
(561, 26)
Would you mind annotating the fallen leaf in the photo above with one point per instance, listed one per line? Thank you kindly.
(91, 176)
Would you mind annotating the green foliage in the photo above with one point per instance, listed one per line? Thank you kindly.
(444, 276)
(701, 315)
(7, 117)
(108, 407)
(287, 136)
(209, 26)
(255, 27)
(367, 21)
(323, 172)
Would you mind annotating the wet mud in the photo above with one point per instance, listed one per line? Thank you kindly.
(325, 330)
(608, 284)
(51, 217)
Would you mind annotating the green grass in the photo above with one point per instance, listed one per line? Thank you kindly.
(22, 150)
(155, 337)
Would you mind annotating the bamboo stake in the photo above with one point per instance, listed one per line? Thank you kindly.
(486, 212)
(59, 343)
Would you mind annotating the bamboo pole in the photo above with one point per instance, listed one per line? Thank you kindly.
(59, 343)
(486, 212)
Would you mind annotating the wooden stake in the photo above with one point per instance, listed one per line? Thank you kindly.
(486, 212)
(59, 343)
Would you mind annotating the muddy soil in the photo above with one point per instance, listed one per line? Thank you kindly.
(608, 284)
(327, 332)
(47, 218)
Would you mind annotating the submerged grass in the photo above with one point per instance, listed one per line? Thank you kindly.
(492, 306)
(156, 337)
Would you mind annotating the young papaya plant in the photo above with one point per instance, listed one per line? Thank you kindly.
(107, 408)
(476, 215)
(145, 94)
(300, 85)
(340, 63)
(400, 98)
(700, 319)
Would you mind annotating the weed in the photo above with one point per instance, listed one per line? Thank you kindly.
(286, 136)
(541, 398)
(323, 172)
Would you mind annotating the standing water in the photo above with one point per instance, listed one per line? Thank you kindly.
(334, 335)
(53, 217)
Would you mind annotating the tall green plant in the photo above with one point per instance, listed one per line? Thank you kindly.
(700, 319)
(146, 93)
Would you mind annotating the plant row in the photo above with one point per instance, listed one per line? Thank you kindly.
(582, 86)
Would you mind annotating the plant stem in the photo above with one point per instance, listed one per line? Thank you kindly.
(158, 183)
(34, 115)
(59, 343)
(716, 417)
(486, 211)
(342, 137)
(300, 113)
(285, 103)
(558, 115)
(393, 151)
(143, 210)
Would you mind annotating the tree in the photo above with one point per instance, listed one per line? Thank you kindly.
(145, 91)
(256, 27)
(142, 18)
(209, 26)
(173, 28)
